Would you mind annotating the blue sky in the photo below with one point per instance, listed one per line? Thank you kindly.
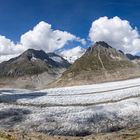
(67, 24)
(74, 16)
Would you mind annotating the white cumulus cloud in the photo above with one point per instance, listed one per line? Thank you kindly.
(42, 36)
(72, 54)
(7, 57)
(8, 47)
(116, 32)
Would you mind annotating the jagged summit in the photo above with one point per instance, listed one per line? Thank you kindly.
(98, 45)
(35, 54)
(102, 44)
(33, 51)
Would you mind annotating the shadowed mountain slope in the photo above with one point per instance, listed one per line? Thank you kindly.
(32, 62)
(33, 68)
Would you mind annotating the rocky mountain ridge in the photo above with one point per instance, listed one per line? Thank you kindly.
(32, 62)
(100, 63)
(32, 69)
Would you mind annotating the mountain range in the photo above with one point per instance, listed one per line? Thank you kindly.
(37, 69)
(33, 68)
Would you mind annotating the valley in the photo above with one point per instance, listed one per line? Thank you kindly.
(43, 96)
(72, 111)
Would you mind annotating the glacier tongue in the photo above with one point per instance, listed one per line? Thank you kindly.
(79, 110)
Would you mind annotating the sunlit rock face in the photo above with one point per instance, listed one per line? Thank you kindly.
(100, 63)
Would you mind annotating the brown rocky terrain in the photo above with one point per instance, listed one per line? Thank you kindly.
(100, 63)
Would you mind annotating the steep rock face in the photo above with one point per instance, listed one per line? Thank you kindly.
(100, 63)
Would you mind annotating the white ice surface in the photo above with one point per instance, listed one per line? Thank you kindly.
(72, 110)
(88, 94)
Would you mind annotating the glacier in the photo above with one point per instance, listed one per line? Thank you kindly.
(75, 111)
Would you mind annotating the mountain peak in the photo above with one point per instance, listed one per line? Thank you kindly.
(101, 44)
(33, 62)
(34, 53)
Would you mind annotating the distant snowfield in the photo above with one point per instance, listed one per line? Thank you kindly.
(79, 110)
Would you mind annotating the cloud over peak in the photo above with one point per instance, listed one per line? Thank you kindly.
(116, 32)
(42, 36)
(72, 54)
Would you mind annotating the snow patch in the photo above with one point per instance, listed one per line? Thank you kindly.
(33, 58)
(56, 59)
